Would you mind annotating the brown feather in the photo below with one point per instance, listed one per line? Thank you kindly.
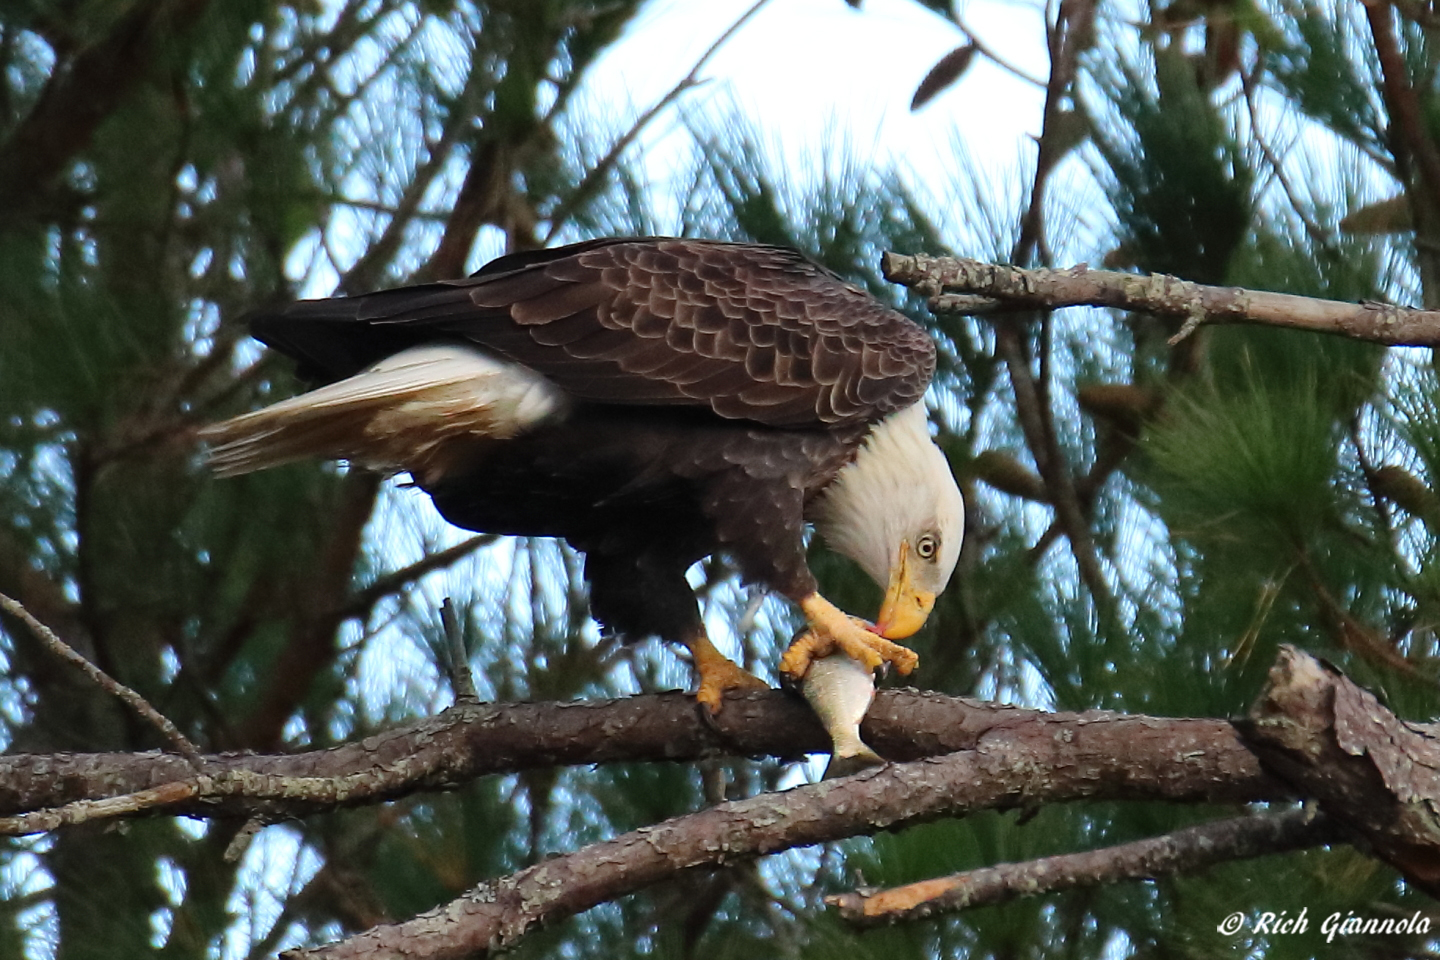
(688, 322)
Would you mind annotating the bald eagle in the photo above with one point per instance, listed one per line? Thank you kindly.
(651, 401)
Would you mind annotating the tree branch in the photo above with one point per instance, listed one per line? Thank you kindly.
(1134, 756)
(1039, 430)
(988, 52)
(458, 661)
(368, 269)
(1002, 773)
(1391, 798)
(1409, 130)
(1182, 851)
(115, 688)
(1070, 34)
(1375, 774)
(1011, 288)
(591, 181)
(79, 96)
(364, 600)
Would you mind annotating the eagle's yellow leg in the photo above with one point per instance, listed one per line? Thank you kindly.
(718, 673)
(832, 629)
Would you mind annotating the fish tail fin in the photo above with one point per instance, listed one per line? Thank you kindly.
(852, 760)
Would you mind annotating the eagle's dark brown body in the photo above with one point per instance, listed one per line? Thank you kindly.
(645, 495)
(715, 389)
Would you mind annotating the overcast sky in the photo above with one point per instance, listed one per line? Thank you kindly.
(813, 72)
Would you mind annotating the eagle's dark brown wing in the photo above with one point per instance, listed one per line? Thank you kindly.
(753, 332)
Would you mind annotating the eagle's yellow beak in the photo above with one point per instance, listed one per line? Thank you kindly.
(906, 606)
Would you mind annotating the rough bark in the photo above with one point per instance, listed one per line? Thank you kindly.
(1004, 771)
(1183, 851)
(1368, 769)
(1131, 756)
(1376, 775)
(954, 283)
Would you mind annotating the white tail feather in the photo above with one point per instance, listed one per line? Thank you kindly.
(399, 415)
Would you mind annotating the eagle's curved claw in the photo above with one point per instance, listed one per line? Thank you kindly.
(718, 673)
(723, 676)
(831, 629)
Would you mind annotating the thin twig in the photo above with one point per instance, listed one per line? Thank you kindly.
(104, 808)
(1071, 30)
(364, 600)
(1039, 432)
(239, 843)
(460, 677)
(691, 79)
(1317, 234)
(1074, 23)
(202, 791)
(1368, 470)
(388, 209)
(1182, 851)
(989, 54)
(1350, 633)
(115, 688)
(367, 269)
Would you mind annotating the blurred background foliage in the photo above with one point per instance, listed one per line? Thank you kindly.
(167, 165)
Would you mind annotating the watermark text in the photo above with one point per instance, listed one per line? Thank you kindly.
(1337, 924)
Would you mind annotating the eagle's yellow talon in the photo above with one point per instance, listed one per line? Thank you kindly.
(719, 673)
(903, 659)
(721, 677)
(803, 649)
(830, 630)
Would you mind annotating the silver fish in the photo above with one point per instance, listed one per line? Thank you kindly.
(840, 691)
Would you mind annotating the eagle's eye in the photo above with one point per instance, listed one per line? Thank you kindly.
(926, 547)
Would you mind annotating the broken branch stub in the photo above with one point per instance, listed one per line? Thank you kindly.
(1378, 776)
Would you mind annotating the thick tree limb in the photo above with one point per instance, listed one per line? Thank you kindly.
(1013, 288)
(1321, 727)
(1376, 775)
(1182, 851)
(1001, 773)
(1131, 756)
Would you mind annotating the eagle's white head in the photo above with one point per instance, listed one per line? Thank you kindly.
(896, 510)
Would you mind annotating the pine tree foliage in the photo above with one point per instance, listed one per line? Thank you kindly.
(167, 166)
